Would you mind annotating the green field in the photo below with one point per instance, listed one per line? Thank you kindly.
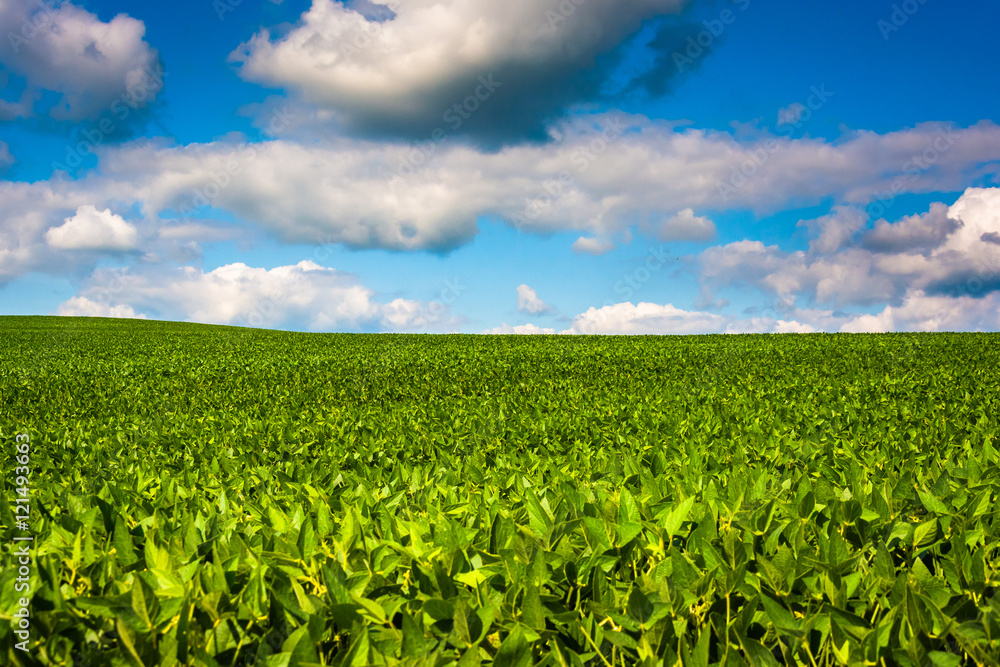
(218, 496)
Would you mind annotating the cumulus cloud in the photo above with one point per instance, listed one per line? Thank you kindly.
(410, 315)
(528, 302)
(592, 245)
(645, 318)
(935, 271)
(781, 326)
(303, 296)
(90, 65)
(496, 70)
(834, 231)
(978, 211)
(686, 226)
(90, 229)
(851, 277)
(521, 329)
(922, 312)
(920, 232)
(79, 306)
(28, 211)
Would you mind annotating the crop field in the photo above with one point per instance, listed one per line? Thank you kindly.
(201, 495)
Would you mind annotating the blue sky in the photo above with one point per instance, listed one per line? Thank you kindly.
(584, 166)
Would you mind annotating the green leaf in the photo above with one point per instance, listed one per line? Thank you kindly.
(538, 518)
(942, 659)
(514, 651)
(677, 516)
(806, 505)
(781, 617)
(640, 607)
(627, 510)
(124, 550)
(532, 612)
(627, 532)
(439, 610)
(932, 504)
(926, 534)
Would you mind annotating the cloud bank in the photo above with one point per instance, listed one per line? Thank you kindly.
(604, 175)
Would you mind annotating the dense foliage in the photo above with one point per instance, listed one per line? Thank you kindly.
(208, 495)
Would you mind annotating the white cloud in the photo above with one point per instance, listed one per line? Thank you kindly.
(978, 209)
(939, 252)
(793, 327)
(934, 271)
(686, 226)
(90, 64)
(522, 329)
(302, 296)
(90, 229)
(79, 306)
(592, 245)
(791, 114)
(834, 231)
(920, 312)
(850, 277)
(528, 302)
(405, 66)
(916, 232)
(409, 315)
(645, 318)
